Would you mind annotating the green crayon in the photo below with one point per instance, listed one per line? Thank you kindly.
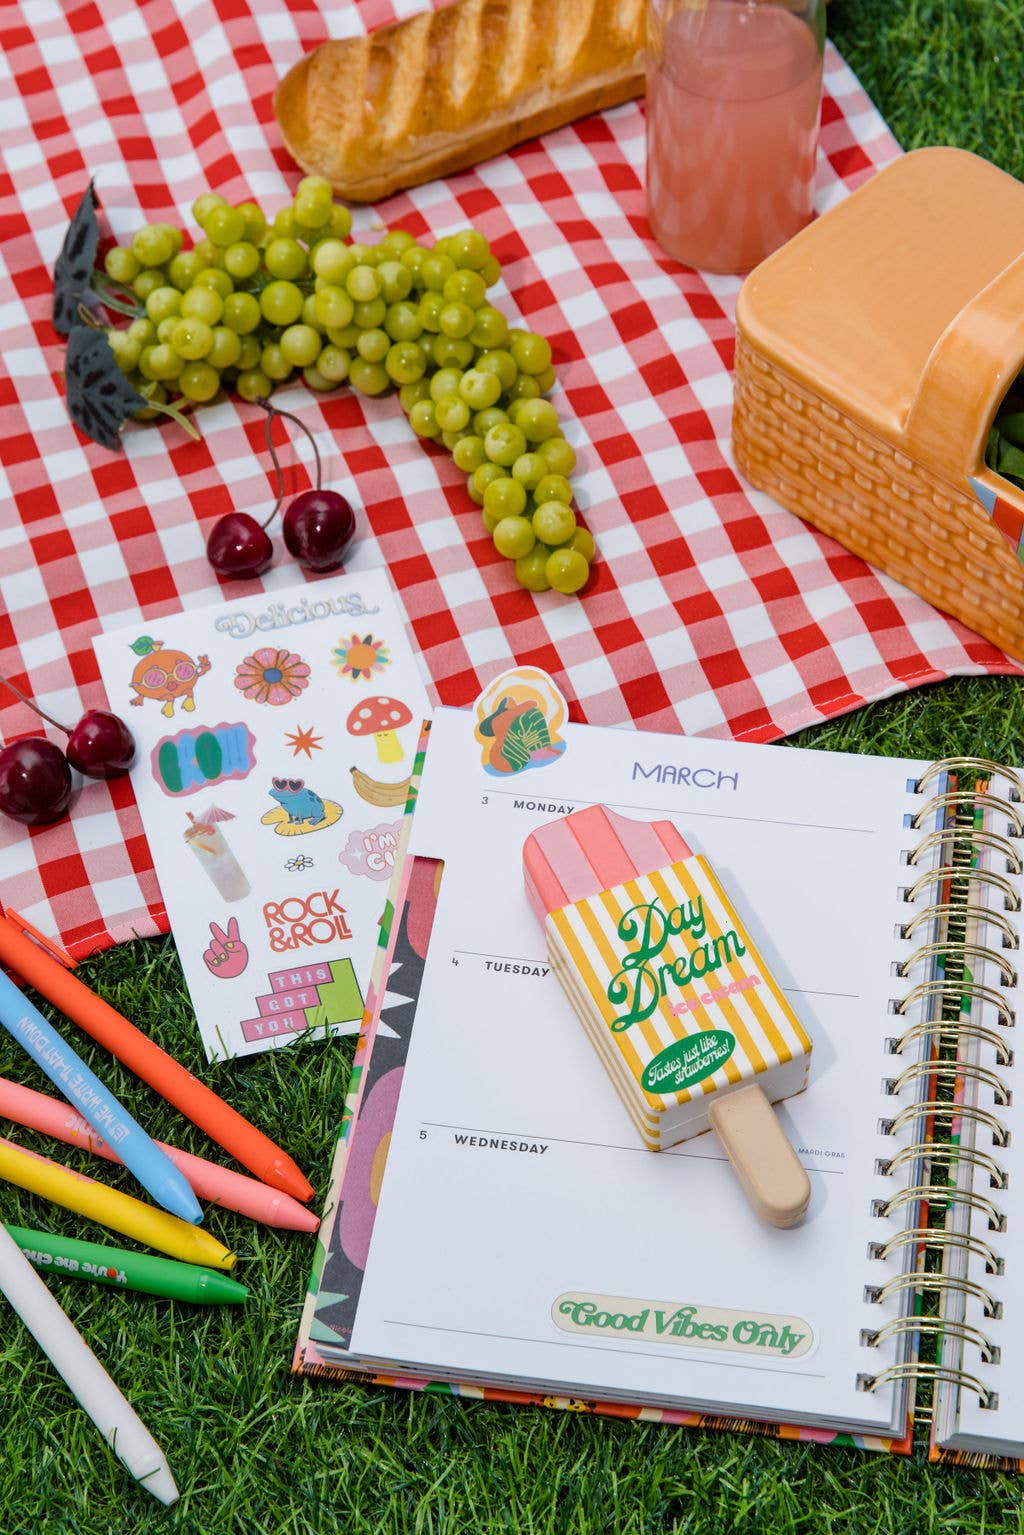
(69, 1258)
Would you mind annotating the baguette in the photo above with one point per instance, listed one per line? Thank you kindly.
(438, 92)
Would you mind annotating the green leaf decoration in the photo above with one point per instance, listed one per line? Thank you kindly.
(143, 646)
(526, 734)
(73, 271)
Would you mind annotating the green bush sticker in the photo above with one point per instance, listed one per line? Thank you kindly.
(688, 1061)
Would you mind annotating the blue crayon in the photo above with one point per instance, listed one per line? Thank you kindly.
(81, 1087)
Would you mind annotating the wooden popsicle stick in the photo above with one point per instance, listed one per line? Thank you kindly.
(762, 1158)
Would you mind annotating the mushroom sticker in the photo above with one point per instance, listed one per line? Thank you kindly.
(380, 718)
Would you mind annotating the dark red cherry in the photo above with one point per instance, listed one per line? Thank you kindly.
(239, 547)
(101, 745)
(318, 528)
(35, 781)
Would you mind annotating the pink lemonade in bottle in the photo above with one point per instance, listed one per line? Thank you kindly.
(733, 100)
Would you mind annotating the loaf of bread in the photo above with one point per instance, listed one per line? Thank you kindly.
(438, 92)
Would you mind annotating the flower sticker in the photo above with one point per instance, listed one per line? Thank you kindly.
(361, 657)
(272, 676)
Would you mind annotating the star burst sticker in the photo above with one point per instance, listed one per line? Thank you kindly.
(303, 741)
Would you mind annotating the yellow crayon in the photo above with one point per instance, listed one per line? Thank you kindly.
(109, 1207)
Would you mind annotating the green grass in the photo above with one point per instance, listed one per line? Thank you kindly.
(259, 1453)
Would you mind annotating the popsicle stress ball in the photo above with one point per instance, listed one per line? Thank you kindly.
(679, 1005)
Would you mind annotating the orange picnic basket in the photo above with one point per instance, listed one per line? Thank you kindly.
(872, 353)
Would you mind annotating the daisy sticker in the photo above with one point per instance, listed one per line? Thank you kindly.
(360, 657)
(272, 676)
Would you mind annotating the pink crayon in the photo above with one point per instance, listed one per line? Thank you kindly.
(209, 1180)
(690, 1025)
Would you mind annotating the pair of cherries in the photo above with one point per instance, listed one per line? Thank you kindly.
(318, 525)
(35, 775)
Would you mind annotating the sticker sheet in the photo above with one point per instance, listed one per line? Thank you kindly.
(276, 736)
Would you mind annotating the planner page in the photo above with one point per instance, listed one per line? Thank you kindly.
(523, 1232)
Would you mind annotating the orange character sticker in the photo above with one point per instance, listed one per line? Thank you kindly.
(169, 675)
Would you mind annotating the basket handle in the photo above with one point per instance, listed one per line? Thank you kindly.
(960, 390)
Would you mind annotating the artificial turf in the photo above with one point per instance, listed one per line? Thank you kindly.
(258, 1452)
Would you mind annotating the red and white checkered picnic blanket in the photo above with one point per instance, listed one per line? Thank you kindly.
(714, 611)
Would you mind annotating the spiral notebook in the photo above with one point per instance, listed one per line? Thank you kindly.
(494, 1228)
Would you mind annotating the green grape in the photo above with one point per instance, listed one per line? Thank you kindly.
(364, 255)
(255, 223)
(513, 536)
(202, 303)
(430, 308)
(242, 260)
(537, 420)
(370, 316)
(333, 307)
(523, 387)
(216, 280)
(547, 379)
(506, 498)
(332, 260)
(465, 288)
(165, 328)
(176, 237)
(198, 381)
(317, 381)
(281, 303)
(313, 201)
(184, 268)
(485, 475)
(274, 363)
(449, 352)
(406, 362)
(283, 227)
(154, 392)
(334, 363)
(411, 394)
(163, 302)
(241, 313)
(503, 444)
(491, 271)
(501, 364)
(373, 345)
(445, 381)
(225, 225)
(204, 205)
(452, 413)
(286, 259)
(343, 335)
(147, 282)
(468, 452)
(435, 271)
(125, 348)
(480, 389)
(208, 254)
(553, 487)
(583, 542)
(341, 222)
(253, 384)
(250, 353)
(529, 470)
(362, 283)
(122, 264)
(531, 569)
(395, 243)
(413, 257)
(300, 345)
(422, 418)
(490, 327)
(567, 570)
(488, 518)
(449, 439)
(468, 248)
(163, 362)
(559, 457)
(153, 245)
(554, 522)
(531, 352)
(368, 377)
(192, 338)
(402, 321)
(456, 320)
(142, 331)
(309, 312)
(395, 280)
(483, 420)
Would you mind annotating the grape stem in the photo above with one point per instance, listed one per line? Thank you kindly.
(272, 411)
(41, 712)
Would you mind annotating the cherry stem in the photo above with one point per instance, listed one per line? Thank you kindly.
(41, 712)
(272, 411)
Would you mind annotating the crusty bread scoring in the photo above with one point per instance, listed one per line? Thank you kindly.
(441, 91)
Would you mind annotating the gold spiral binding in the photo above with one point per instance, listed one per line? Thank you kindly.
(968, 837)
(980, 765)
(969, 799)
(916, 1370)
(902, 1327)
(920, 1192)
(943, 948)
(947, 1031)
(947, 872)
(964, 987)
(947, 1113)
(952, 1072)
(966, 913)
(946, 1154)
(939, 1241)
(939, 1284)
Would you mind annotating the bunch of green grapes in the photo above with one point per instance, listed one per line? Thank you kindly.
(252, 303)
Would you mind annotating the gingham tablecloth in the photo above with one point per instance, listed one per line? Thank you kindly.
(714, 612)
